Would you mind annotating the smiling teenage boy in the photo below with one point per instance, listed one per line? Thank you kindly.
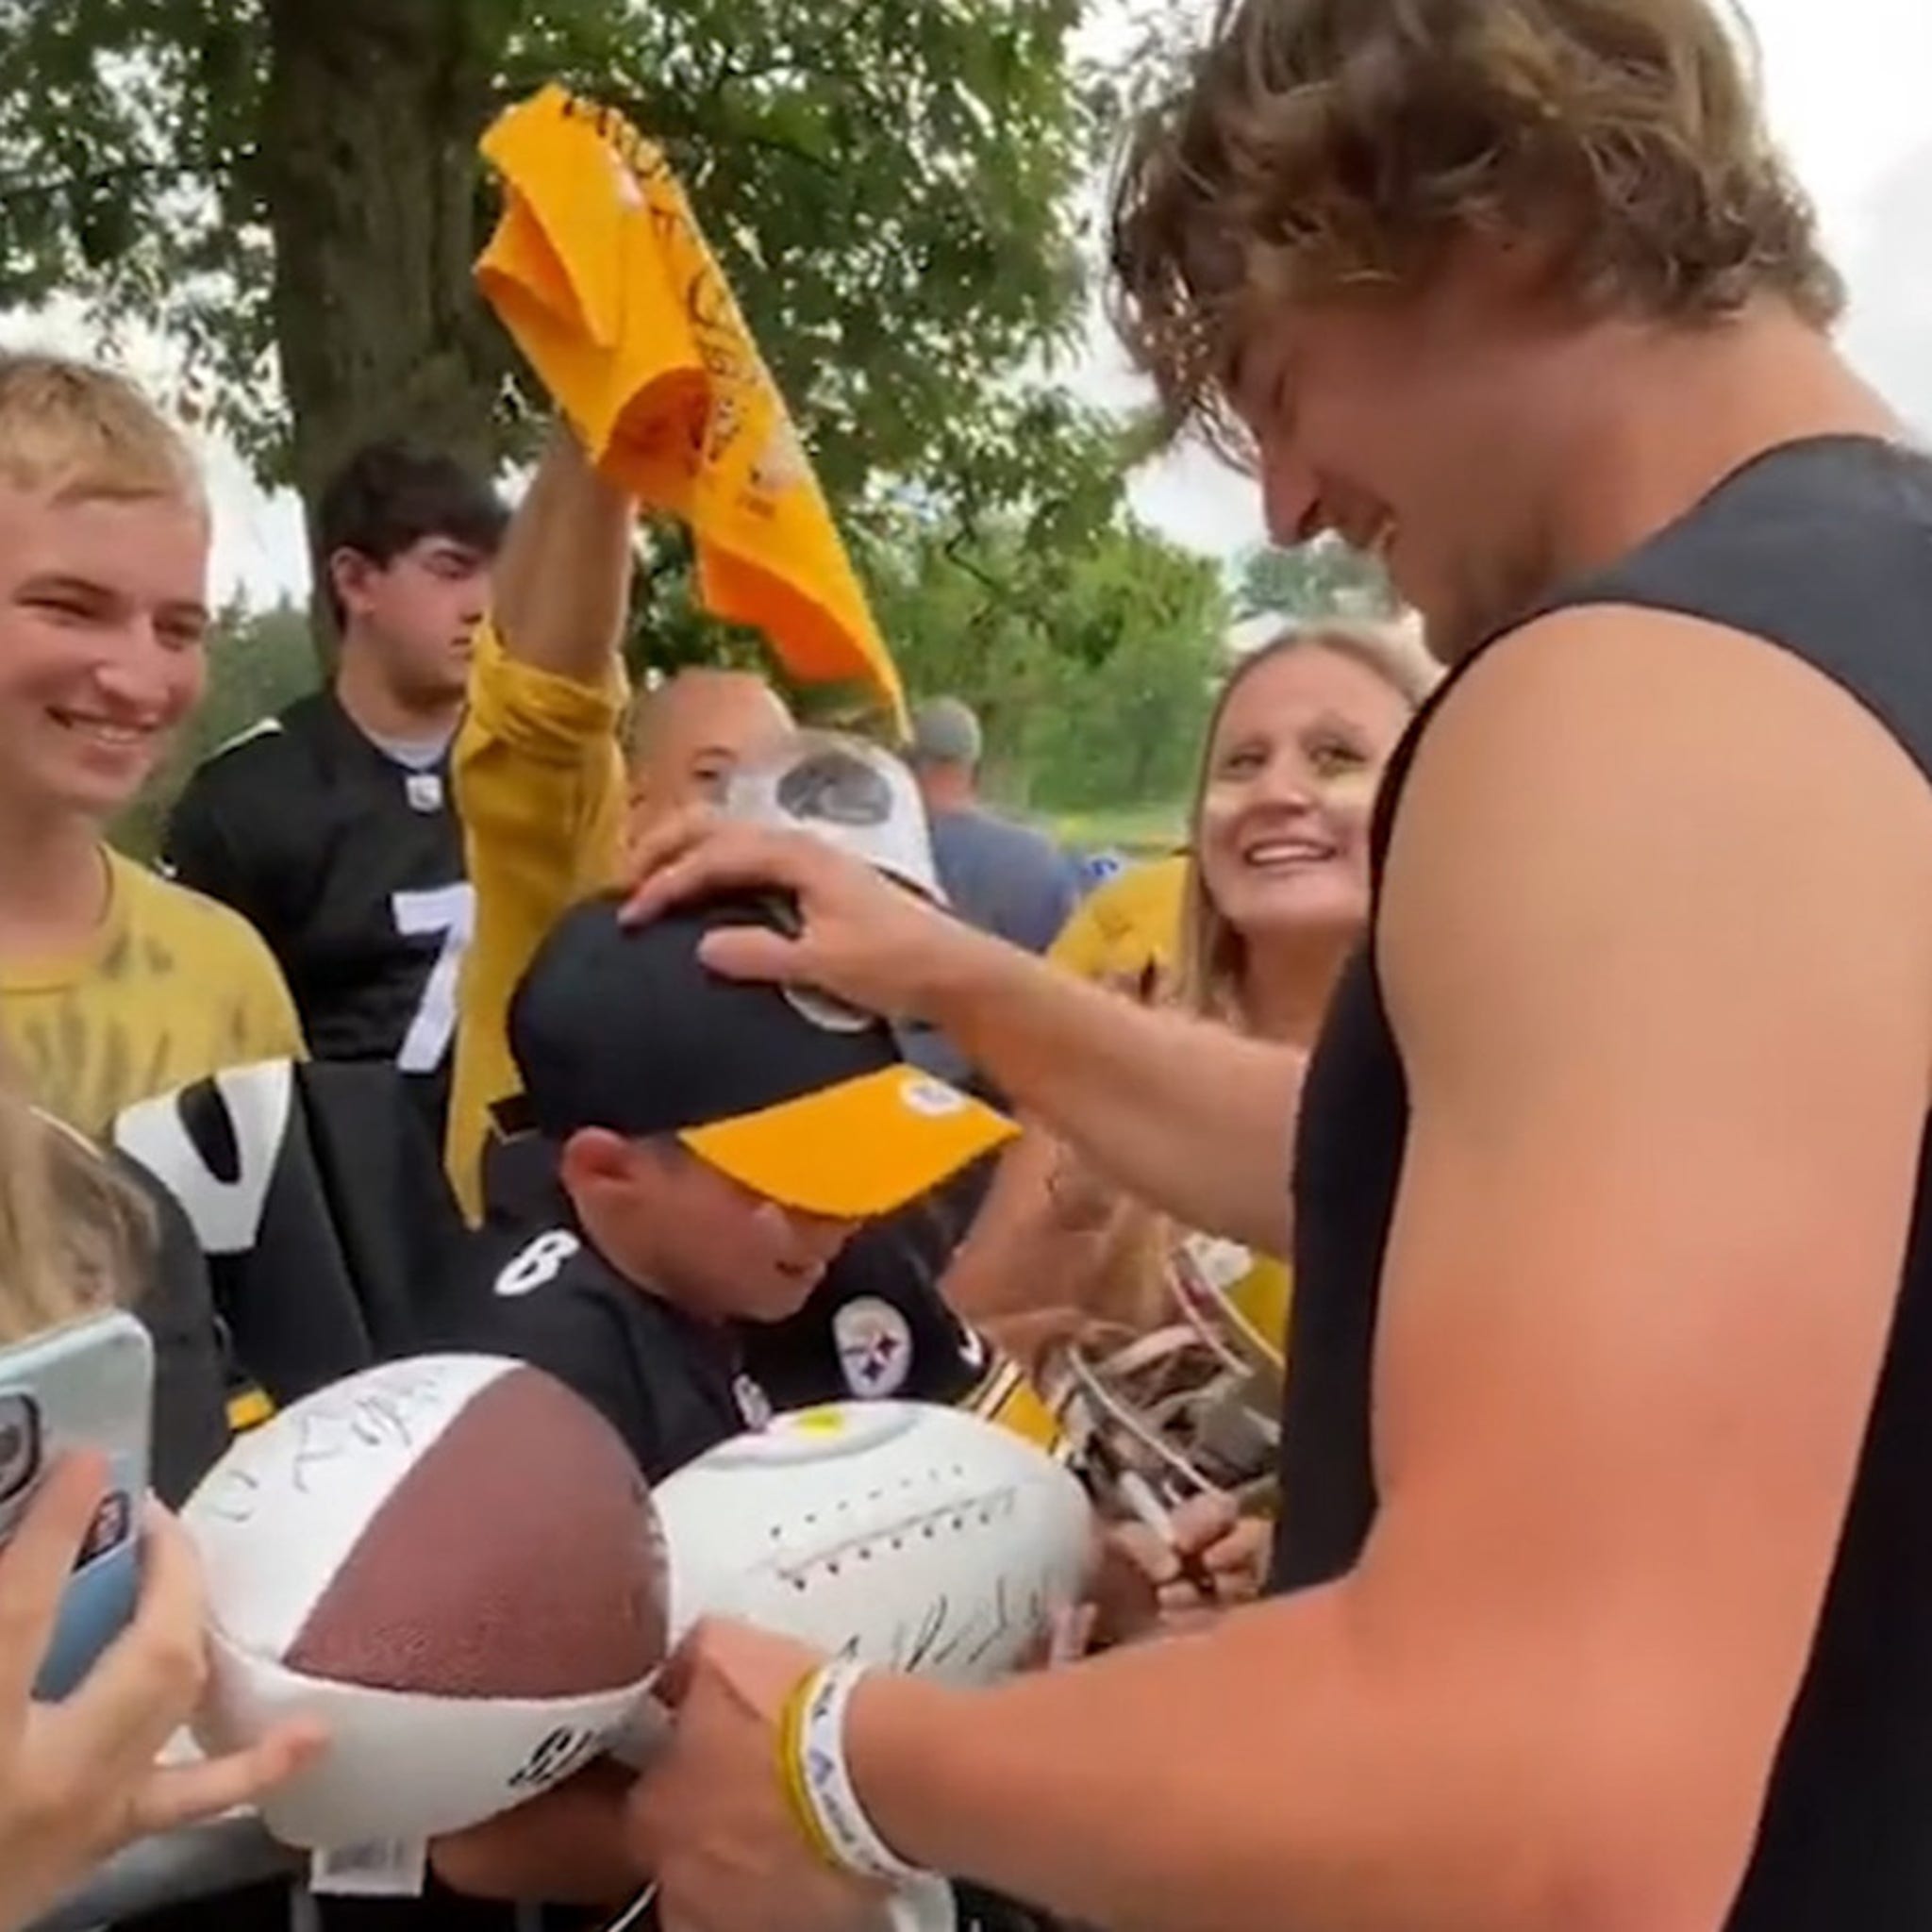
(114, 984)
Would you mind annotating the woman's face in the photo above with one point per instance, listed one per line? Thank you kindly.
(1283, 833)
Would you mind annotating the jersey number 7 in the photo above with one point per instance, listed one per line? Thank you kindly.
(450, 914)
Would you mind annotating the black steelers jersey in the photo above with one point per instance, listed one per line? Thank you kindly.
(315, 1197)
(875, 1326)
(350, 865)
(175, 1303)
(670, 1384)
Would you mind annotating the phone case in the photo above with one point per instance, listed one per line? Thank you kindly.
(85, 1385)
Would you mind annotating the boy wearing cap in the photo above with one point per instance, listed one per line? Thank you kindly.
(717, 1144)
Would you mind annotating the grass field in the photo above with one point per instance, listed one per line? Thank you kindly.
(1150, 829)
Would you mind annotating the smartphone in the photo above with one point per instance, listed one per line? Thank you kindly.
(85, 1385)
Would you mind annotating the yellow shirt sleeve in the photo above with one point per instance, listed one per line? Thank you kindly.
(540, 788)
(1123, 924)
(269, 1026)
(1082, 946)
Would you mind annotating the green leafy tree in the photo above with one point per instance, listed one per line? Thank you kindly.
(1092, 664)
(1325, 578)
(289, 191)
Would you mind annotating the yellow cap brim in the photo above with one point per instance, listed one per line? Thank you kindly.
(857, 1150)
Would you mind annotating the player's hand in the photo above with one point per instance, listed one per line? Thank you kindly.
(861, 938)
(709, 1819)
(1034, 1339)
(79, 1779)
(1148, 1588)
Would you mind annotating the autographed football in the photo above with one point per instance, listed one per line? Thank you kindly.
(916, 1537)
(455, 1564)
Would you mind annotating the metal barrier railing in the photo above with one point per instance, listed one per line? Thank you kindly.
(201, 1863)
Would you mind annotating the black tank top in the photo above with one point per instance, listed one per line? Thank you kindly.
(1823, 548)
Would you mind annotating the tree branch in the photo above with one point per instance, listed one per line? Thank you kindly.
(188, 168)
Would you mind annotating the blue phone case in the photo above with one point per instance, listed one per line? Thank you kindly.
(85, 1385)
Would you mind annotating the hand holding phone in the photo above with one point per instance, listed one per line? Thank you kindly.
(102, 1650)
(79, 1778)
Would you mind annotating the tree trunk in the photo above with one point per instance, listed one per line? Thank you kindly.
(369, 167)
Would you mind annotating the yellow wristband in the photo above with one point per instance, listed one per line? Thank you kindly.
(790, 1745)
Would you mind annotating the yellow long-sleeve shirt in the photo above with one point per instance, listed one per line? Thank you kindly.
(540, 788)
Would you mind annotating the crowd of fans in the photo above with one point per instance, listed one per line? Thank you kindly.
(717, 1065)
(318, 1061)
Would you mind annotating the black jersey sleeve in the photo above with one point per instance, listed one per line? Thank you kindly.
(319, 1206)
(175, 1302)
(198, 849)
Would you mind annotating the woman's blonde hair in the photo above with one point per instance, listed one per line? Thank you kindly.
(72, 1234)
(1131, 1290)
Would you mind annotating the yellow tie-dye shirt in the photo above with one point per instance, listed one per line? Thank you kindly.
(171, 988)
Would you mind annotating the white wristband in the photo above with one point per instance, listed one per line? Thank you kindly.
(849, 1834)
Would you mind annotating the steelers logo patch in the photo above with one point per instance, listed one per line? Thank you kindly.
(932, 1099)
(835, 787)
(874, 1345)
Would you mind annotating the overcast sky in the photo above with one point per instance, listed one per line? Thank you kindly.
(1846, 80)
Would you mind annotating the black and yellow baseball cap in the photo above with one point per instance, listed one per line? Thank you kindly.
(626, 1029)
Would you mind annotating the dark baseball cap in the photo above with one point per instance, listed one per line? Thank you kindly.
(624, 1027)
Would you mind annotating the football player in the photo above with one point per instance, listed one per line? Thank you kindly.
(113, 984)
(332, 826)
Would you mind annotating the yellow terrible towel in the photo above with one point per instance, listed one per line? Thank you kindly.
(599, 271)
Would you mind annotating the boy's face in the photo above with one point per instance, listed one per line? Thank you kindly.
(419, 612)
(103, 622)
(706, 1242)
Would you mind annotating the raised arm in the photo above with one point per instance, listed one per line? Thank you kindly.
(1657, 949)
(561, 591)
(538, 767)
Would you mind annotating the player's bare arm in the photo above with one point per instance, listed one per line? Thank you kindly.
(561, 588)
(1180, 1112)
(1637, 1290)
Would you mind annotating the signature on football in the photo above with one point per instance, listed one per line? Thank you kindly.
(950, 1632)
(329, 1432)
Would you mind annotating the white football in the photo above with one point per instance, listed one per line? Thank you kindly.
(914, 1536)
(452, 1562)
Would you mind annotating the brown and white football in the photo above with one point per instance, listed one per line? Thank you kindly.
(454, 1563)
